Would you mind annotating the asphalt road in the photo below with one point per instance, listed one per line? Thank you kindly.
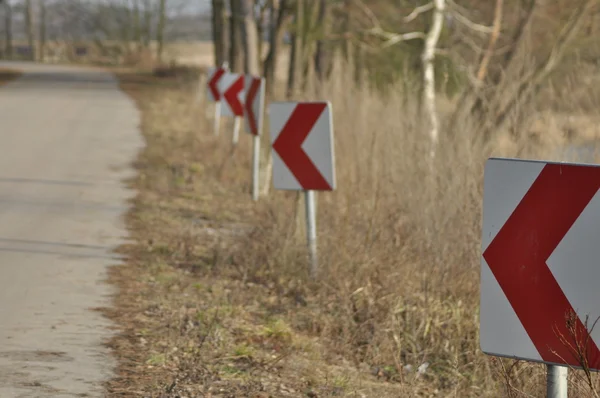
(67, 140)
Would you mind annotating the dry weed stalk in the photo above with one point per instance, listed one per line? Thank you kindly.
(578, 343)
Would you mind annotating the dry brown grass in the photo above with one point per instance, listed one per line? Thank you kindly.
(216, 299)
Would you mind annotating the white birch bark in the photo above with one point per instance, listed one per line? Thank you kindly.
(428, 57)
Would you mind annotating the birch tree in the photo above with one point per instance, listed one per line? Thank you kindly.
(428, 57)
(438, 10)
(430, 38)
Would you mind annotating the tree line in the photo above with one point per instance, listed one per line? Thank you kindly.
(135, 24)
(491, 55)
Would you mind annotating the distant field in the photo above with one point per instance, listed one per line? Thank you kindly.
(191, 53)
(201, 53)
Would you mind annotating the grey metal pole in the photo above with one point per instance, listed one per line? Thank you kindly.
(556, 381)
(311, 231)
(217, 117)
(255, 167)
(236, 129)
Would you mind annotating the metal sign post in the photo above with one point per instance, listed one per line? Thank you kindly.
(311, 231)
(217, 118)
(556, 381)
(303, 157)
(237, 121)
(255, 167)
(254, 104)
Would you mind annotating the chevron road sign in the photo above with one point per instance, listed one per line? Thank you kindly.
(302, 139)
(303, 157)
(540, 268)
(231, 86)
(254, 104)
(214, 76)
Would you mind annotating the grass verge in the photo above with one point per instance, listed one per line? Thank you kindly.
(189, 327)
(215, 300)
(7, 75)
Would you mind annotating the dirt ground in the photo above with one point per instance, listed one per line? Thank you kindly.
(7, 75)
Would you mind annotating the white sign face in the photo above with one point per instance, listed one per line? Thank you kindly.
(302, 140)
(212, 86)
(231, 86)
(254, 104)
(539, 266)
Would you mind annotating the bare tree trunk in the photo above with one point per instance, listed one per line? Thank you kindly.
(279, 18)
(532, 83)
(136, 24)
(427, 59)
(160, 29)
(250, 38)
(311, 15)
(324, 51)
(352, 52)
(260, 29)
(296, 51)
(347, 47)
(8, 46)
(42, 31)
(291, 79)
(471, 101)
(518, 38)
(235, 37)
(147, 27)
(359, 64)
(271, 58)
(29, 26)
(218, 31)
(496, 25)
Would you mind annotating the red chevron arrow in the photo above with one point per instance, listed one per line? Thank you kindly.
(214, 80)
(517, 257)
(248, 104)
(231, 95)
(288, 146)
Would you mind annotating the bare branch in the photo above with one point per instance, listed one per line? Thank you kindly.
(394, 38)
(535, 78)
(471, 44)
(496, 25)
(454, 11)
(390, 38)
(369, 13)
(418, 11)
